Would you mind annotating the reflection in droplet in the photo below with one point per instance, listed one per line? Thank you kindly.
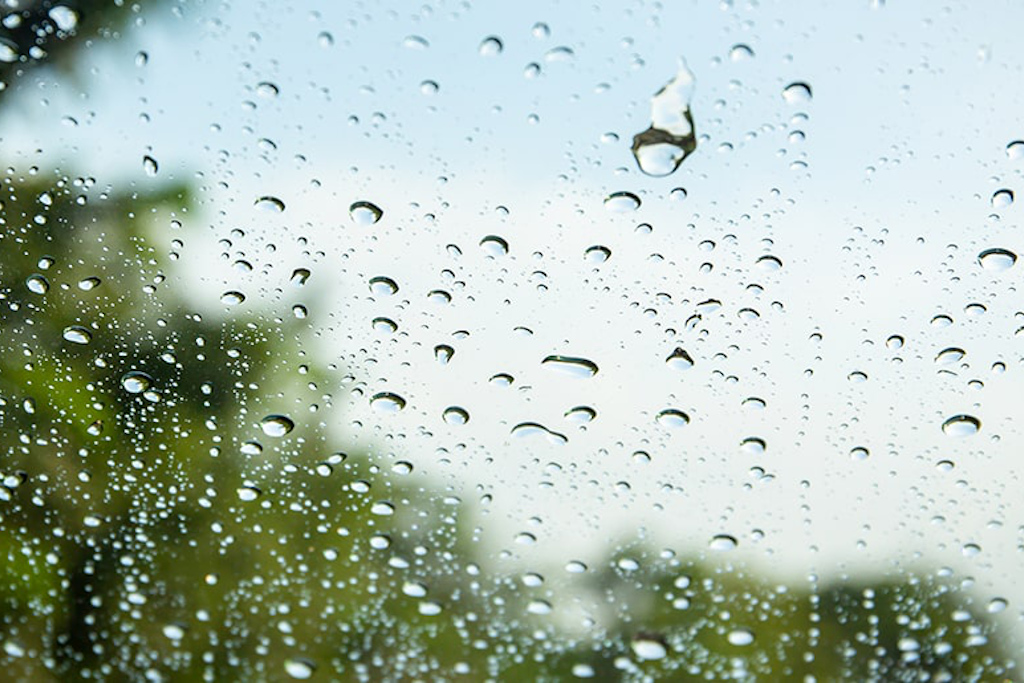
(1002, 198)
(270, 204)
(386, 402)
(622, 202)
(797, 93)
(961, 425)
(574, 367)
(680, 360)
(530, 429)
(491, 46)
(671, 418)
(76, 334)
(455, 415)
(136, 382)
(365, 213)
(997, 259)
(383, 286)
(276, 425)
(671, 137)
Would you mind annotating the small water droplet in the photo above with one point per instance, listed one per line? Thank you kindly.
(530, 429)
(76, 334)
(741, 53)
(574, 367)
(754, 403)
(1015, 150)
(597, 254)
(581, 414)
(559, 54)
(769, 263)
(723, 542)
(267, 89)
(383, 286)
(386, 402)
(88, 283)
(443, 353)
(491, 46)
(385, 325)
(502, 379)
(1001, 199)
(276, 425)
(415, 43)
(439, 296)
(37, 284)
(753, 445)
(269, 204)
(971, 550)
(299, 668)
(232, 298)
(382, 508)
(248, 494)
(494, 246)
(648, 647)
(996, 605)
(365, 213)
(455, 415)
(136, 382)
(671, 418)
(150, 166)
(680, 360)
(961, 425)
(997, 259)
(859, 453)
(174, 631)
(797, 92)
(300, 276)
(622, 202)
(894, 342)
(740, 637)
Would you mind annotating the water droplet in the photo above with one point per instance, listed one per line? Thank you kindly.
(502, 379)
(971, 549)
(769, 263)
(530, 429)
(299, 668)
(386, 402)
(574, 367)
(859, 453)
(276, 425)
(680, 360)
(414, 589)
(267, 89)
(961, 425)
(540, 30)
(1002, 198)
(455, 415)
(740, 53)
(429, 87)
(65, 18)
(894, 342)
(385, 325)
(365, 213)
(415, 43)
(383, 286)
(150, 166)
(1015, 150)
(232, 298)
(671, 418)
(622, 202)
(996, 605)
(269, 204)
(797, 93)
(753, 445)
(88, 283)
(491, 46)
(439, 296)
(671, 137)
(950, 356)
(581, 414)
(174, 631)
(248, 494)
(723, 542)
(300, 276)
(997, 259)
(559, 54)
(754, 403)
(76, 334)
(494, 246)
(539, 607)
(740, 637)
(136, 382)
(37, 284)
(648, 646)
(443, 353)
(597, 254)
(942, 320)
(382, 508)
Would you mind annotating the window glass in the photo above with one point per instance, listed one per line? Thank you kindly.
(510, 341)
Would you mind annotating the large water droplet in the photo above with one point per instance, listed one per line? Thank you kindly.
(740, 637)
(276, 425)
(232, 298)
(455, 415)
(491, 46)
(299, 668)
(530, 429)
(597, 254)
(581, 414)
(575, 367)
(89, 283)
(270, 204)
(961, 425)
(386, 402)
(950, 356)
(136, 382)
(621, 202)
(680, 360)
(723, 542)
(383, 286)
(997, 259)
(365, 213)
(647, 646)
(150, 166)
(76, 334)
(1015, 150)
(37, 284)
(493, 245)
(443, 353)
(671, 137)
(1002, 198)
(672, 418)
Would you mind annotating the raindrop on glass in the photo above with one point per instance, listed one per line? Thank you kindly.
(622, 202)
(150, 165)
(797, 93)
(671, 418)
(997, 259)
(491, 46)
(136, 382)
(76, 334)
(365, 213)
(961, 425)
(455, 415)
(269, 204)
(575, 367)
(1002, 198)
(386, 402)
(276, 425)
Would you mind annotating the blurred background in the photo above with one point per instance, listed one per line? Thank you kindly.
(484, 342)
